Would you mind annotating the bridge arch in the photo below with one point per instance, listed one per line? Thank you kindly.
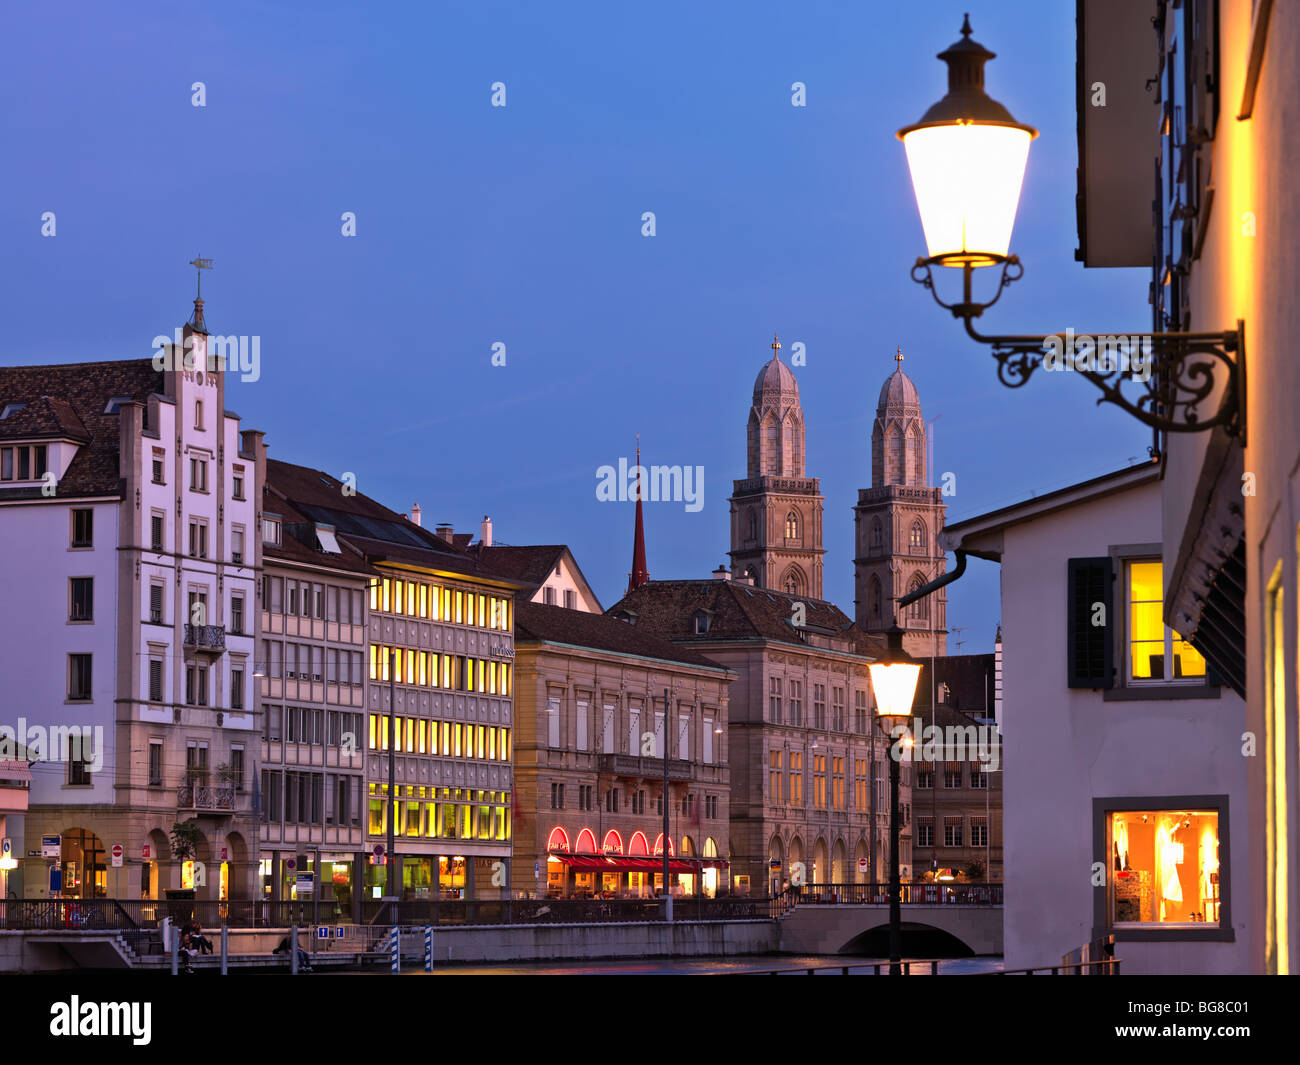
(919, 941)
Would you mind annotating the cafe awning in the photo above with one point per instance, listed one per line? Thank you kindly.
(617, 863)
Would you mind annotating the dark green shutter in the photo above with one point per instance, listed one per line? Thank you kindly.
(1090, 651)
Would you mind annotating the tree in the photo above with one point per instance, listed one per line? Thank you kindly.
(186, 837)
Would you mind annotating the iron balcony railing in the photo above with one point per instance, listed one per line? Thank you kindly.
(206, 796)
(205, 637)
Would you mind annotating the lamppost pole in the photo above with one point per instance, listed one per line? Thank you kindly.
(895, 885)
(893, 682)
(667, 893)
(392, 772)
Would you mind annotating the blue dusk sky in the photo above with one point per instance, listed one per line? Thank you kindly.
(522, 225)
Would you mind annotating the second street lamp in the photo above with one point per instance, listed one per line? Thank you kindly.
(893, 682)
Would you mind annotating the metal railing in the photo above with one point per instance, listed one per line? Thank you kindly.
(878, 894)
(207, 637)
(131, 914)
(206, 797)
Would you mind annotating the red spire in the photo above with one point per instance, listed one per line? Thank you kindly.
(638, 576)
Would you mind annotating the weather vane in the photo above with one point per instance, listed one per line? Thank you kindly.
(200, 263)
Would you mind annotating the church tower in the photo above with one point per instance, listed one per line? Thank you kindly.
(897, 523)
(776, 512)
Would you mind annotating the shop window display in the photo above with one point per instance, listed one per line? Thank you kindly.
(1164, 867)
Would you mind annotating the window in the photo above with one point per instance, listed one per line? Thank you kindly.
(792, 526)
(570, 598)
(979, 832)
(774, 777)
(196, 685)
(611, 801)
(156, 530)
(925, 832)
(271, 531)
(952, 831)
(638, 802)
(83, 528)
(876, 534)
(557, 796)
(837, 709)
(158, 467)
(1153, 651)
(23, 463)
(819, 706)
(860, 783)
(81, 597)
(237, 689)
(237, 544)
(237, 614)
(837, 783)
(155, 680)
(1163, 867)
(978, 778)
(710, 808)
(198, 414)
(237, 483)
(198, 475)
(919, 610)
(796, 702)
(924, 779)
(701, 622)
(80, 755)
(916, 539)
(819, 781)
(548, 596)
(774, 700)
(860, 712)
(952, 778)
(196, 762)
(553, 721)
(79, 677)
(155, 763)
(796, 778)
(198, 539)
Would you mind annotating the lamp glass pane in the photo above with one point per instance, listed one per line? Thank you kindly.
(967, 182)
(895, 687)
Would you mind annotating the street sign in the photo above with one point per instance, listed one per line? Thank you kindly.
(6, 848)
(291, 864)
(338, 932)
(56, 879)
(146, 852)
(379, 850)
(862, 865)
(51, 846)
(225, 854)
(537, 869)
(306, 883)
(116, 855)
(322, 932)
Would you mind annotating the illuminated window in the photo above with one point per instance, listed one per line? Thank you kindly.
(482, 611)
(386, 595)
(1163, 867)
(1154, 651)
(774, 777)
(424, 600)
(460, 604)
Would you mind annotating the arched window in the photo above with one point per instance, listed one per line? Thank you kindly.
(638, 844)
(877, 533)
(586, 842)
(920, 610)
(917, 539)
(873, 598)
(659, 846)
(613, 842)
(792, 582)
(792, 526)
(558, 840)
(753, 526)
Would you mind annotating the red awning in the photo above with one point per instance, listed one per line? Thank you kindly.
(618, 863)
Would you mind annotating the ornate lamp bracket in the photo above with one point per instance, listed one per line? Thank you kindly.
(1162, 379)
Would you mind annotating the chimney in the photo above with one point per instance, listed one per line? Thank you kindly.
(722, 573)
(485, 532)
(415, 513)
(745, 580)
(443, 531)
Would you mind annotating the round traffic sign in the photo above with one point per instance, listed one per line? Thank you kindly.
(379, 850)
(117, 850)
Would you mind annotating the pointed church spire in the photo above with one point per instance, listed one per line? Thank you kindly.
(200, 264)
(638, 576)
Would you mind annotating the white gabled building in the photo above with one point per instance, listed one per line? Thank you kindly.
(129, 518)
(1124, 799)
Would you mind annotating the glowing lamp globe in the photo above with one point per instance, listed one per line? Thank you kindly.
(967, 159)
(893, 678)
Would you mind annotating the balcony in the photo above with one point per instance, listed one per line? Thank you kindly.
(627, 765)
(212, 798)
(207, 639)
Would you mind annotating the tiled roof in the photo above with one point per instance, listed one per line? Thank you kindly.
(737, 612)
(366, 526)
(529, 565)
(68, 400)
(536, 621)
(969, 679)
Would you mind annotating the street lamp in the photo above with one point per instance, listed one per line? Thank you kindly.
(967, 160)
(893, 682)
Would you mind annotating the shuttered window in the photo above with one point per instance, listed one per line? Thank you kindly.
(1089, 616)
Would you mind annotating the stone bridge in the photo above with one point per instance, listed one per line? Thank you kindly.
(929, 929)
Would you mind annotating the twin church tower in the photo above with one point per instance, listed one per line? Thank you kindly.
(776, 511)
